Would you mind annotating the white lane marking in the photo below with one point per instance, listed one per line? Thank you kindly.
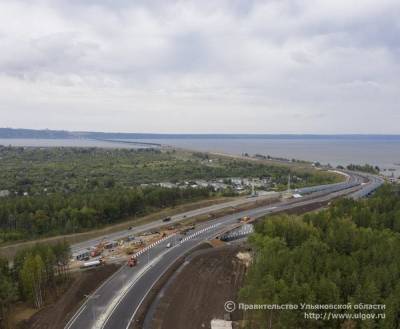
(153, 245)
(72, 320)
(199, 232)
(83, 306)
(105, 316)
(158, 278)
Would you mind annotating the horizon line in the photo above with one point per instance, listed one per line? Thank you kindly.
(200, 133)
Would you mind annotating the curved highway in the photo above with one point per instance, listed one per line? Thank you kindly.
(115, 303)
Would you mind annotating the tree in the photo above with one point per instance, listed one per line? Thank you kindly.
(8, 291)
(33, 278)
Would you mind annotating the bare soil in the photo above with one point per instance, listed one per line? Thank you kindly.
(197, 292)
(57, 314)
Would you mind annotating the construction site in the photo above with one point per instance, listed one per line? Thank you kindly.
(120, 251)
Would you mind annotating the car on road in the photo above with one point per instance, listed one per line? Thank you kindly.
(166, 219)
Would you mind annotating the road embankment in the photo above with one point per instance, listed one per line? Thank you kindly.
(197, 292)
(56, 313)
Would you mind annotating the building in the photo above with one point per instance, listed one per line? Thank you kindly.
(219, 186)
(4, 193)
(167, 185)
(236, 181)
(202, 183)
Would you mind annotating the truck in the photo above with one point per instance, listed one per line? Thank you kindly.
(110, 245)
(95, 252)
(130, 238)
(132, 261)
(93, 263)
(82, 255)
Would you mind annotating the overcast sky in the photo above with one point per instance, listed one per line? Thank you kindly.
(285, 66)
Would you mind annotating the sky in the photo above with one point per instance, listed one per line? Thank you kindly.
(238, 66)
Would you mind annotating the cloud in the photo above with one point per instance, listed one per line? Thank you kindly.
(223, 66)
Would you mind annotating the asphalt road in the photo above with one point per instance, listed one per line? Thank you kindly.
(114, 304)
(201, 211)
(174, 219)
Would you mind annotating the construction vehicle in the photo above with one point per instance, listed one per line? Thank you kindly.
(132, 261)
(110, 245)
(245, 219)
(96, 252)
(82, 255)
(130, 238)
(93, 263)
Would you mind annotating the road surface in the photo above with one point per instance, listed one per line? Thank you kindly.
(205, 210)
(174, 219)
(115, 303)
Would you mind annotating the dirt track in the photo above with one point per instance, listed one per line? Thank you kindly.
(197, 292)
(56, 315)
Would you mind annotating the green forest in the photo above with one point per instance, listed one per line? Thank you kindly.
(37, 274)
(56, 191)
(38, 171)
(38, 216)
(348, 254)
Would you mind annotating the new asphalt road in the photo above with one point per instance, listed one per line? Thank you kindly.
(115, 303)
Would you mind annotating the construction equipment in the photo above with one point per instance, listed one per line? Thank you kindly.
(93, 263)
(96, 252)
(245, 219)
(132, 261)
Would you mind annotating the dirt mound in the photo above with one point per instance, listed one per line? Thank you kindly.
(56, 315)
(199, 290)
(245, 257)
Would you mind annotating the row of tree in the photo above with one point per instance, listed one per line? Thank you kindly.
(43, 215)
(35, 275)
(346, 254)
(364, 168)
